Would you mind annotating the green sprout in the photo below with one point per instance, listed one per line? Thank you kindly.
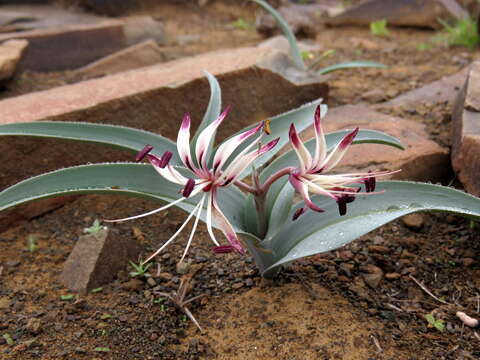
(140, 269)
(96, 290)
(102, 349)
(8, 339)
(95, 228)
(379, 28)
(31, 243)
(463, 33)
(242, 24)
(67, 297)
(436, 323)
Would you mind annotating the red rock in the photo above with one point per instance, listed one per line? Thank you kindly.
(423, 159)
(466, 133)
(96, 259)
(10, 54)
(422, 13)
(144, 54)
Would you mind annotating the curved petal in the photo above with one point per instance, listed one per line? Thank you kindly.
(320, 143)
(228, 147)
(303, 155)
(338, 152)
(302, 189)
(206, 137)
(224, 225)
(183, 143)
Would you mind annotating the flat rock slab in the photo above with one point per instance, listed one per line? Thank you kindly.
(422, 160)
(144, 54)
(466, 132)
(421, 13)
(96, 259)
(10, 54)
(444, 90)
(154, 98)
(75, 38)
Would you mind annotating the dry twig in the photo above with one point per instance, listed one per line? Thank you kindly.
(424, 288)
(376, 343)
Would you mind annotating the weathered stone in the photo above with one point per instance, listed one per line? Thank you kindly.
(96, 259)
(144, 54)
(466, 133)
(75, 45)
(422, 13)
(372, 275)
(444, 90)
(422, 159)
(140, 28)
(34, 326)
(10, 54)
(280, 43)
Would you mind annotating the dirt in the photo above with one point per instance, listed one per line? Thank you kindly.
(364, 301)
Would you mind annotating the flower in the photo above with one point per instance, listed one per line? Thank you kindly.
(311, 177)
(205, 178)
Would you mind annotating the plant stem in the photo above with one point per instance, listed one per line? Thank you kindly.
(246, 187)
(274, 177)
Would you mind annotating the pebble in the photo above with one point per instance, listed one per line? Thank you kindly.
(34, 326)
(378, 249)
(413, 221)
(237, 285)
(165, 276)
(80, 350)
(151, 282)
(467, 262)
(392, 276)
(4, 303)
(132, 285)
(373, 275)
(248, 282)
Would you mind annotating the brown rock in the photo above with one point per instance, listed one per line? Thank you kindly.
(133, 285)
(378, 249)
(96, 259)
(413, 221)
(392, 276)
(137, 56)
(466, 133)
(4, 303)
(422, 160)
(467, 262)
(141, 28)
(422, 13)
(10, 54)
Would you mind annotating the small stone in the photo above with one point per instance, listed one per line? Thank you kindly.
(80, 350)
(238, 285)
(248, 282)
(10, 54)
(406, 255)
(4, 303)
(392, 276)
(153, 337)
(467, 262)
(413, 221)
(374, 96)
(165, 276)
(151, 281)
(34, 326)
(373, 276)
(378, 249)
(133, 285)
(183, 267)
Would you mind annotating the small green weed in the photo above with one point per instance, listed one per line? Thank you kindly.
(95, 228)
(67, 297)
(379, 28)
(31, 243)
(102, 349)
(140, 269)
(96, 290)
(8, 339)
(463, 33)
(436, 323)
(242, 24)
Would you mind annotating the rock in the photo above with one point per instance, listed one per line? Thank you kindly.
(4, 303)
(413, 221)
(392, 276)
(421, 13)
(280, 43)
(374, 96)
(444, 90)
(466, 132)
(144, 54)
(141, 28)
(96, 259)
(151, 282)
(10, 54)
(422, 160)
(34, 326)
(373, 275)
(133, 285)
(467, 262)
(378, 249)
(153, 98)
(165, 276)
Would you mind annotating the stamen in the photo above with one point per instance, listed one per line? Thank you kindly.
(189, 186)
(167, 155)
(142, 153)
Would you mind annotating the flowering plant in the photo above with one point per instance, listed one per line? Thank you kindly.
(239, 187)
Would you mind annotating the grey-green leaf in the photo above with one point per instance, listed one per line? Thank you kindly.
(137, 180)
(120, 137)
(315, 233)
(283, 25)
(213, 109)
(350, 65)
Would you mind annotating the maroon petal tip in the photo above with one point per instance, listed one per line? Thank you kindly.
(187, 190)
(223, 249)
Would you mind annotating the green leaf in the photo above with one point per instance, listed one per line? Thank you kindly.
(315, 233)
(302, 117)
(349, 65)
(102, 349)
(280, 195)
(137, 180)
(67, 297)
(120, 137)
(213, 109)
(283, 25)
